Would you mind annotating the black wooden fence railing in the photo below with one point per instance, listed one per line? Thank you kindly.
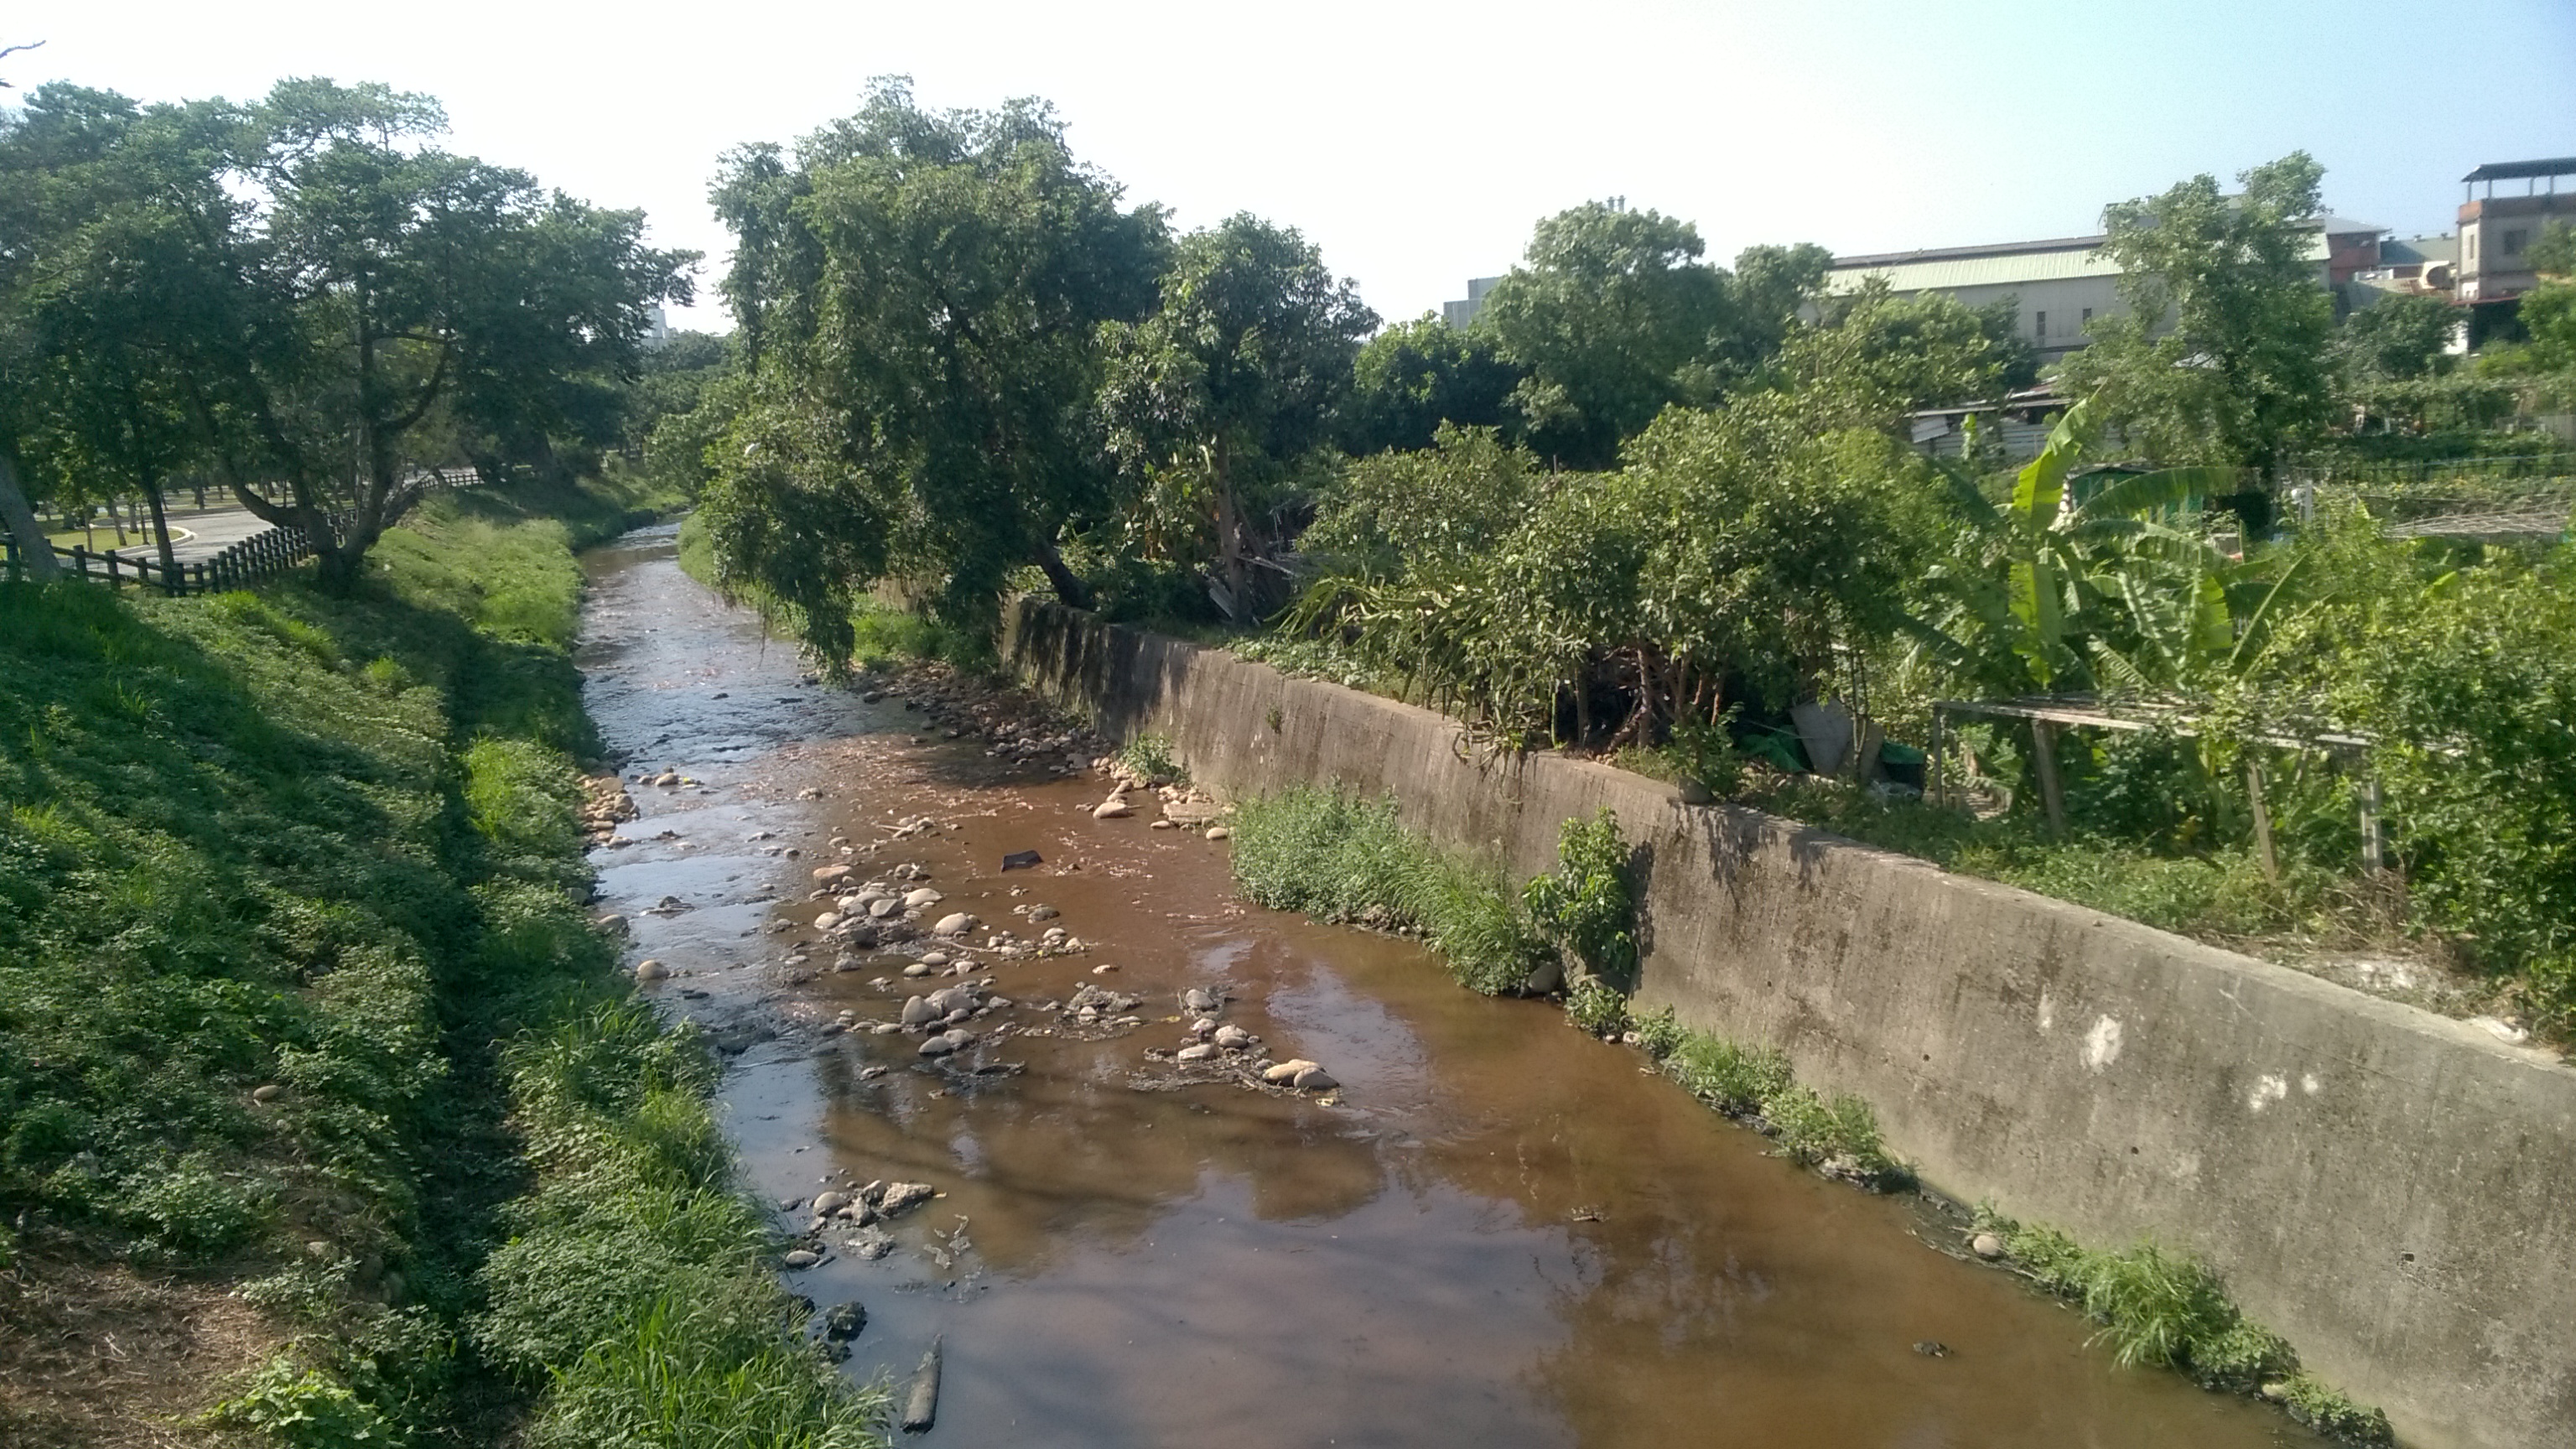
(265, 554)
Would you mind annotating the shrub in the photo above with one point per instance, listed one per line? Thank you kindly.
(1733, 1079)
(1150, 755)
(1597, 1007)
(1588, 905)
(2161, 1308)
(1339, 858)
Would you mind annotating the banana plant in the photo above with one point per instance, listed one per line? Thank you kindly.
(2061, 592)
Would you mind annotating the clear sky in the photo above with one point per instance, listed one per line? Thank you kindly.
(1416, 143)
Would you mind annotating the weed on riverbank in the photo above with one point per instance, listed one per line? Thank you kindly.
(2169, 1311)
(1339, 858)
(293, 962)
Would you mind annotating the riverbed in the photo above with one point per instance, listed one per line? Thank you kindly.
(1494, 1231)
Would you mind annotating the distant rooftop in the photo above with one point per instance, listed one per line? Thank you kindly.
(2520, 170)
(1875, 260)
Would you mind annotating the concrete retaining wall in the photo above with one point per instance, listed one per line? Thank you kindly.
(2393, 1191)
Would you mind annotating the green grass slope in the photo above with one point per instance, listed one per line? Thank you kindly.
(299, 1002)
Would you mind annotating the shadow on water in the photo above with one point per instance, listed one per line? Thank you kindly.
(1501, 1232)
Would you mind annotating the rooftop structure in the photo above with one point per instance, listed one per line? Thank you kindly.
(2061, 284)
(2496, 232)
(1460, 313)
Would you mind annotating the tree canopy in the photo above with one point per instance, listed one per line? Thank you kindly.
(1614, 317)
(920, 295)
(1216, 399)
(2241, 375)
(300, 291)
(1417, 375)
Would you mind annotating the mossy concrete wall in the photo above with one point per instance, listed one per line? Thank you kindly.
(2393, 1191)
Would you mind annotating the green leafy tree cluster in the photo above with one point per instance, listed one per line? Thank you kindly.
(1614, 317)
(2222, 356)
(920, 297)
(1217, 400)
(300, 293)
(1415, 376)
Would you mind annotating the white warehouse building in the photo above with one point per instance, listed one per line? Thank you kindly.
(2064, 283)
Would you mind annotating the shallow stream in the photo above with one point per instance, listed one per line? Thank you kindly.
(1497, 1232)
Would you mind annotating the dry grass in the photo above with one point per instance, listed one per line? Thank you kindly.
(93, 1355)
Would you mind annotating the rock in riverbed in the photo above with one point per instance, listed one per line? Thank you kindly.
(1195, 1052)
(1233, 1038)
(902, 1197)
(844, 1321)
(955, 923)
(801, 1258)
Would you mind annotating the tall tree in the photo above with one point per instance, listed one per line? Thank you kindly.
(1215, 399)
(1414, 376)
(2222, 357)
(321, 295)
(920, 294)
(1611, 313)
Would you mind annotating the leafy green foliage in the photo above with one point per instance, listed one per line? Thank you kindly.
(1597, 1006)
(1150, 755)
(1339, 858)
(2470, 685)
(332, 845)
(1588, 904)
(2161, 1308)
(920, 296)
(1614, 317)
(1416, 377)
(279, 290)
(2398, 338)
(1216, 401)
(2241, 376)
(303, 1409)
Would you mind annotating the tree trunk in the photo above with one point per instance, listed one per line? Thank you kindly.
(35, 551)
(161, 529)
(1068, 585)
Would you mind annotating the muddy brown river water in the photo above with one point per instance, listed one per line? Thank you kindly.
(1498, 1232)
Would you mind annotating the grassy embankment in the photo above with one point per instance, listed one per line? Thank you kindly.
(1338, 858)
(310, 1060)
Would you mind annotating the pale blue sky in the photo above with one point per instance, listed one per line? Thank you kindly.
(1417, 142)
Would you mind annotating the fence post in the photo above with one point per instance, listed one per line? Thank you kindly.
(2043, 754)
(2262, 821)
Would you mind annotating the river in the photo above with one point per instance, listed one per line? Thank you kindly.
(1498, 1232)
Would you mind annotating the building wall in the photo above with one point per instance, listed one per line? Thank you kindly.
(1458, 314)
(2496, 234)
(2388, 1188)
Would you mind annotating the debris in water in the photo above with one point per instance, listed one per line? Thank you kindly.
(921, 1407)
(1021, 860)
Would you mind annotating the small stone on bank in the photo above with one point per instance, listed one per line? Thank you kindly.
(801, 1258)
(1986, 1246)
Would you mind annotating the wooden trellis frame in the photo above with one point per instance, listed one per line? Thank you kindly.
(2047, 714)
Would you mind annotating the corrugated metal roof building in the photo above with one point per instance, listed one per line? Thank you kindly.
(2060, 284)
